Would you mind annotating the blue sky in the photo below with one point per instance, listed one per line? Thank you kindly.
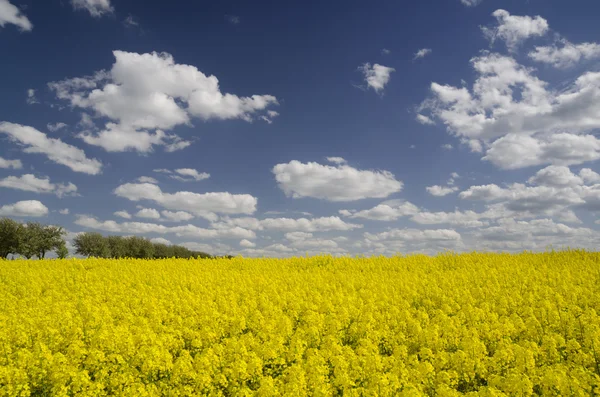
(279, 129)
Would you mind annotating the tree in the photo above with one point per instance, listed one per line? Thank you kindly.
(138, 247)
(30, 236)
(9, 237)
(117, 246)
(91, 244)
(50, 239)
(62, 252)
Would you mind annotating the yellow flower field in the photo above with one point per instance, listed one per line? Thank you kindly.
(470, 324)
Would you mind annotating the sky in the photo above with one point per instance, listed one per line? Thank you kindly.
(280, 129)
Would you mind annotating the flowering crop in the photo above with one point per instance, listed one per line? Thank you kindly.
(469, 324)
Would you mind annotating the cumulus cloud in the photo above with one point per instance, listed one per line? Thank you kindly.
(376, 76)
(146, 94)
(180, 231)
(537, 234)
(27, 208)
(123, 214)
(10, 14)
(64, 211)
(566, 55)
(456, 218)
(53, 127)
(557, 176)
(517, 119)
(15, 164)
(247, 244)
(177, 216)
(336, 160)
(56, 150)
(122, 138)
(30, 183)
(146, 179)
(387, 211)
(471, 3)
(189, 174)
(422, 53)
(160, 240)
(201, 204)
(514, 29)
(148, 213)
(323, 224)
(424, 120)
(519, 151)
(441, 191)
(96, 8)
(333, 183)
(31, 98)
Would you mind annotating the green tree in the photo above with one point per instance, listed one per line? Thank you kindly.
(9, 237)
(62, 252)
(117, 246)
(91, 244)
(138, 247)
(30, 236)
(50, 239)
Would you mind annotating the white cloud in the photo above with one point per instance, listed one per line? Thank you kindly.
(146, 94)
(146, 179)
(339, 183)
(322, 224)
(15, 164)
(30, 183)
(456, 218)
(396, 239)
(447, 146)
(471, 3)
(376, 76)
(96, 8)
(589, 176)
(535, 125)
(203, 205)
(31, 208)
(389, 211)
(422, 53)
(385, 51)
(247, 244)
(336, 160)
(53, 127)
(441, 191)
(518, 151)
(535, 234)
(31, 98)
(177, 216)
(189, 174)
(160, 240)
(121, 138)
(180, 231)
(64, 211)
(514, 29)
(233, 19)
(123, 214)
(424, 120)
(148, 213)
(557, 176)
(10, 14)
(567, 55)
(57, 151)
(131, 21)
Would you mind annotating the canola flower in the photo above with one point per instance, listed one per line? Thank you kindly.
(471, 324)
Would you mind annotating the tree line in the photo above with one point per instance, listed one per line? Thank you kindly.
(33, 239)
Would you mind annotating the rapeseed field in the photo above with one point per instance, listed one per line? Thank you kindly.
(470, 324)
